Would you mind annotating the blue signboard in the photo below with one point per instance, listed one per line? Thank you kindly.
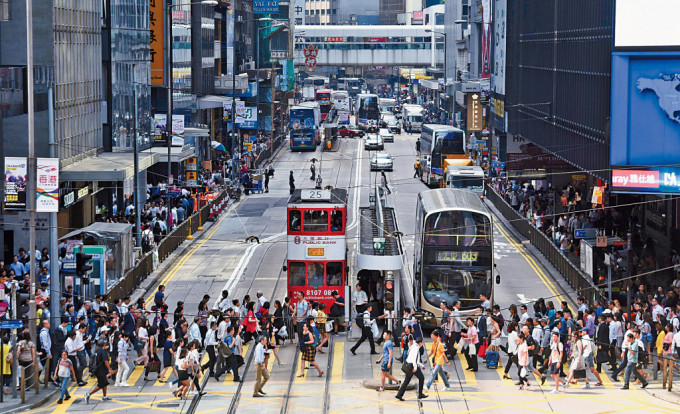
(265, 6)
(645, 106)
(11, 324)
(498, 164)
(589, 233)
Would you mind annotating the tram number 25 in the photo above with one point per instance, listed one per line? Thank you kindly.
(318, 292)
(316, 195)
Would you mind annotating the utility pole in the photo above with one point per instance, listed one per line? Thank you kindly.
(168, 122)
(55, 277)
(32, 312)
(137, 196)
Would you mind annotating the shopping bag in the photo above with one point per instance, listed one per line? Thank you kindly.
(482, 349)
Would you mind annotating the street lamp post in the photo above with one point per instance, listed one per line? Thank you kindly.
(445, 43)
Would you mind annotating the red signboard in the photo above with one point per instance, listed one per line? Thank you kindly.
(376, 39)
(311, 52)
(417, 16)
(635, 179)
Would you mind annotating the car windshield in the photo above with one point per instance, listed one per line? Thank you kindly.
(382, 156)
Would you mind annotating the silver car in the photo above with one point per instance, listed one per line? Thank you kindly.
(381, 161)
(373, 142)
(386, 135)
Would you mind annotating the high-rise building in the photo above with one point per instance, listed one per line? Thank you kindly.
(390, 9)
(322, 12)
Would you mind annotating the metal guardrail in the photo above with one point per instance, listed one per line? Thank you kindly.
(143, 268)
(578, 280)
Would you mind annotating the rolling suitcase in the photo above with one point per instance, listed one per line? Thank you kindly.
(492, 359)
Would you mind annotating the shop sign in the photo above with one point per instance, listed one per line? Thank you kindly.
(191, 164)
(475, 112)
(83, 192)
(15, 183)
(69, 198)
(646, 180)
(156, 20)
(265, 6)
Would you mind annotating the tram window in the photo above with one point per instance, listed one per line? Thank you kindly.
(294, 220)
(316, 221)
(315, 272)
(297, 274)
(334, 273)
(336, 220)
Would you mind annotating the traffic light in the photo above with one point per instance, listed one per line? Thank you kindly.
(389, 291)
(82, 267)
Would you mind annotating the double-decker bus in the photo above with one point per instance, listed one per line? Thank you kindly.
(311, 84)
(317, 247)
(437, 144)
(323, 97)
(453, 253)
(353, 86)
(304, 126)
(367, 110)
(343, 105)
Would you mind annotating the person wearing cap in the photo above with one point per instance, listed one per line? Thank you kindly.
(262, 375)
(101, 370)
(416, 168)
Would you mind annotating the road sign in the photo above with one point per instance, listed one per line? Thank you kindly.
(601, 241)
(378, 243)
(12, 324)
(589, 233)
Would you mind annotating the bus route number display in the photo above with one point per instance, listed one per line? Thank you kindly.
(454, 256)
(315, 195)
(315, 251)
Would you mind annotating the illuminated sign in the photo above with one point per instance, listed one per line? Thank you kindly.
(317, 251)
(647, 180)
(334, 39)
(157, 42)
(475, 112)
(453, 256)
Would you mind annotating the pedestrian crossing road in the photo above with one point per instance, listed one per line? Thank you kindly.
(341, 390)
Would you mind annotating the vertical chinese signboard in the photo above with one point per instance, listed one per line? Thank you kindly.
(157, 42)
(15, 183)
(47, 194)
(475, 112)
(191, 168)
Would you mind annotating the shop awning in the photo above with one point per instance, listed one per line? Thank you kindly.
(107, 166)
(177, 154)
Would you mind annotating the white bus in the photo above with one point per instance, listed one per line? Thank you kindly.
(343, 105)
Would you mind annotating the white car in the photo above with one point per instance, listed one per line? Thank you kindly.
(386, 135)
(374, 142)
(381, 161)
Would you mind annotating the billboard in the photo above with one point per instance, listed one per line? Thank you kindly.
(265, 6)
(646, 24)
(645, 109)
(15, 183)
(525, 155)
(498, 72)
(646, 180)
(157, 42)
(486, 38)
(475, 112)
(47, 190)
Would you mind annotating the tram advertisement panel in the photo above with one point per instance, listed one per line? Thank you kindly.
(316, 247)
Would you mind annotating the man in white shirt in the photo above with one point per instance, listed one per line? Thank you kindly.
(657, 309)
(195, 331)
(225, 302)
(262, 375)
(524, 315)
(72, 348)
(413, 358)
(260, 300)
(359, 299)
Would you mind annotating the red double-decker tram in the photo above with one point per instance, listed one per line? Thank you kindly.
(317, 248)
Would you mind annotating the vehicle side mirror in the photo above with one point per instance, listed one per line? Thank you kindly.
(498, 279)
(284, 268)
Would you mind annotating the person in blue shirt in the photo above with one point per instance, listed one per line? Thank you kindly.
(227, 361)
(563, 326)
(44, 277)
(386, 360)
(551, 314)
(17, 266)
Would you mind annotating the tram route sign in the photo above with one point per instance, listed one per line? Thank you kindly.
(379, 243)
(315, 195)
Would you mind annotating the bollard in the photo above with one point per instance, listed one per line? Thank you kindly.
(36, 375)
(47, 370)
(22, 384)
(655, 360)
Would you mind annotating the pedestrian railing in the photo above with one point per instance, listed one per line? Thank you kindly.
(578, 280)
(143, 268)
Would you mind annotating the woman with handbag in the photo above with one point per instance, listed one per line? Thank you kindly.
(577, 369)
(523, 360)
(308, 351)
(154, 363)
(412, 367)
(667, 357)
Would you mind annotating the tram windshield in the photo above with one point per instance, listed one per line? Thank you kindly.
(316, 221)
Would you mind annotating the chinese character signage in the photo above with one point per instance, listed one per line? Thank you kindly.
(646, 180)
(246, 116)
(15, 183)
(47, 190)
(265, 6)
(475, 112)
(157, 42)
(177, 130)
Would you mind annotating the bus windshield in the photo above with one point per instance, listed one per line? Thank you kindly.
(452, 143)
(466, 182)
(457, 229)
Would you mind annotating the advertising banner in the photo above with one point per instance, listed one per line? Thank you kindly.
(486, 38)
(226, 110)
(475, 112)
(646, 180)
(524, 155)
(177, 130)
(47, 190)
(265, 6)
(247, 118)
(498, 73)
(156, 20)
(160, 122)
(645, 107)
(646, 24)
(15, 183)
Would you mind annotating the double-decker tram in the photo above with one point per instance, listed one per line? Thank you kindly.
(453, 251)
(323, 97)
(317, 249)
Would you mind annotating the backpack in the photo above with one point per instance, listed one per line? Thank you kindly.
(146, 240)
(360, 320)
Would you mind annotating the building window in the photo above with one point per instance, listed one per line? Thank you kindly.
(335, 11)
(323, 11)
(4, 9)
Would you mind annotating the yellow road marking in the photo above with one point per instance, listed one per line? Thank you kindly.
(230, 379)
(270, 361)
(501, 372)
(338, 362)
(541, 274)
(135, 375)
(188, 255)
(608, 384)
(470, 378)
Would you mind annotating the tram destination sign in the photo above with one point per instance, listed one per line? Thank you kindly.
(315, 195)
(456, 256)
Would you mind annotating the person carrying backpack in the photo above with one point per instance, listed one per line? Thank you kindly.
(364, 322)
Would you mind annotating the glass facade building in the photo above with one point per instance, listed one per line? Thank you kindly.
(130, 71)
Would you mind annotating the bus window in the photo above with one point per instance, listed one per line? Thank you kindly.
(336, 220)
(315, 272)
(457, 228)
(297, 274)
(294, 220)
(334, 273)
(316, 221)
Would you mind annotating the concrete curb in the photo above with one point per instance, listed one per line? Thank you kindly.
(43, 399)
(663, 395)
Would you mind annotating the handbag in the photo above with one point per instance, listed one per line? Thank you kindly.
(407, 368)
(472, 350)
(154, 366)
(224, 349)
(329, 326)
(579, 373)
(482, 349)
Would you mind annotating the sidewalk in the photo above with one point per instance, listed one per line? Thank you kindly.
(33, 400)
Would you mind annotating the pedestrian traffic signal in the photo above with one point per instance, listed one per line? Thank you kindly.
(389, 291)
(82, 267)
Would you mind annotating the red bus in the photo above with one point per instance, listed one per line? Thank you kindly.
(317, 249)
(323, 97)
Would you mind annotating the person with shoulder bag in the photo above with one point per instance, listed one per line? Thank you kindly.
(412, 367)
(26, 351)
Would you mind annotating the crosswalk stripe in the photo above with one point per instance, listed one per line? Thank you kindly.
(229, 379)
(338, 362)
(470, 378)
(135, 375)
(501, 372)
